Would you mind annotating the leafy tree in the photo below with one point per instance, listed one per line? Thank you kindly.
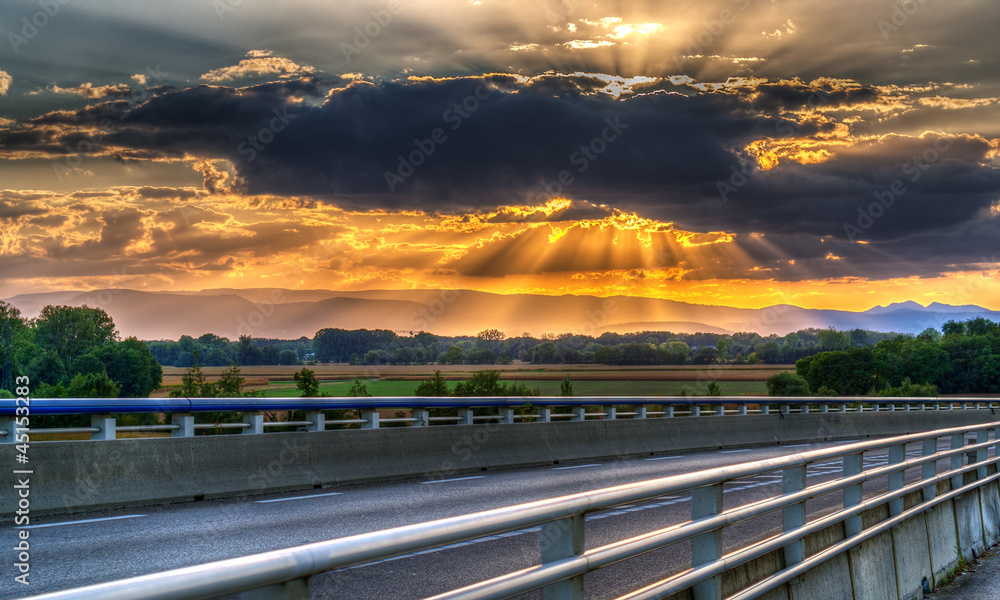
(194, 385)
(435, 386)
(230, 383)
(722, 347)
(832, 340)
(787, 384)
(706, 355)
(92, 385)
(358, 389)
(713, 389)
(288, 357)
(47, 367)
(481, 356)
(71, 331)
(566, 389)
(132, 365)
(546, 353)
(307, 383)
(482, 383)
(454, 355)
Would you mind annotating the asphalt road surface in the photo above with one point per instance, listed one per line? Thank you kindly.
(73, 550)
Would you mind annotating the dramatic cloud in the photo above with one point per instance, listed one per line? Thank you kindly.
(258, 63)
(801, 152)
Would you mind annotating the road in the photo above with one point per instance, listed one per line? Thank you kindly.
(73, 550)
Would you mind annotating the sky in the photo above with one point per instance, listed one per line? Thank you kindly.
(840, 154)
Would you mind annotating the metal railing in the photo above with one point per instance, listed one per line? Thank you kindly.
(285, 574)
(503, 410)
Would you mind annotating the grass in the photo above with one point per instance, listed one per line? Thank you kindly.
(548, 388)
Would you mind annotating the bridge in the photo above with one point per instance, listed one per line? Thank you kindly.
(629, 498)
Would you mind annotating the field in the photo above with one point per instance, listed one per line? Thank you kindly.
(587, 379)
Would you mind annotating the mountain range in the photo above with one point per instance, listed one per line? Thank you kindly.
(290, 314)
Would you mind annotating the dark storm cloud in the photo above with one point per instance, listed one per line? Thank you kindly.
(478, 143)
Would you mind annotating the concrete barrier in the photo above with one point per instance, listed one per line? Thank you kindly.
(82, 475)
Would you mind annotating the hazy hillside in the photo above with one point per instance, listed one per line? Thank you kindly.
(291, 314)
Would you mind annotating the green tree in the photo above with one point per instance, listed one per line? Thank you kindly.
(546, 353)
(194, 385)
(358, 389)
(72, 331)
(482, 383)
(454, 355)
(132, 365)
(713, 389)
(92, 385)
(435, 386)
(787, 384)
(307, 383)
(722, 346)
(566, 389)
(230, 384)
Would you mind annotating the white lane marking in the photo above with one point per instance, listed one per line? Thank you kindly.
(576, 467)
(455, 479)
(798, 445)
(661, 458)
(299, 497)
(733, 451)
(80, 522)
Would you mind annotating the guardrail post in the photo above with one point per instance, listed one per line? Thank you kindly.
(640, 412)
(786, 409)
(897, 454)
(853, 464)
(545, 415)
(668, 411)
(794, 516)
(707, 547)
(8, 425)
(983, 453)
(579, 413)
(842, 407)
(720, 410)
(106, 424)
(370, 417)
(957, 441)
(506, 416)
(765, 409)
(824, 408)
(892, 406)
(422, 416)
(695, 410)
(563, 539)
(186, 423)
(465, 416)
(256, 421)
(297, 589)
(318, 419)
(612, 413)
(929, 470)
(741, 410)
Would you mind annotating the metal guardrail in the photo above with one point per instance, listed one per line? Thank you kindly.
(285, 574)
(504, 410)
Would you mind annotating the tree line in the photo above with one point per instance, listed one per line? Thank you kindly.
(74, 352)
(964, 358)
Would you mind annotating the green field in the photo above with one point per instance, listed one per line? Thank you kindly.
(547, 388)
